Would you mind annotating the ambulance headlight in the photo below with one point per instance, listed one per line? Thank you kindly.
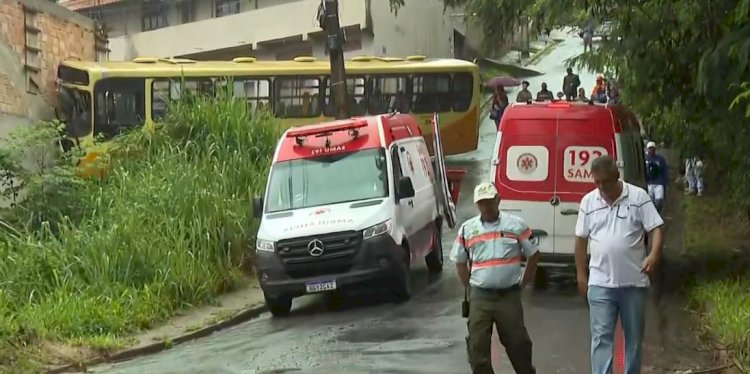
(379, 229)
(262, 245)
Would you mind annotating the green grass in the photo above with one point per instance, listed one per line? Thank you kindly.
(170, 227)
(726, 306)
(717, 240)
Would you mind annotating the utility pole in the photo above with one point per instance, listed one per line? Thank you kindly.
(328, 17)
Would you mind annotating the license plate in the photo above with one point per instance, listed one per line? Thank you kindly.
(313, 287)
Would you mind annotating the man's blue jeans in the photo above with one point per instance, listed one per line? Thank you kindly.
(605, 305)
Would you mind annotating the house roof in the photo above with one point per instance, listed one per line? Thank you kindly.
(77, 5)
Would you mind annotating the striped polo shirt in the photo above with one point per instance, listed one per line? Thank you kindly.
(615, 235)
(496, 250)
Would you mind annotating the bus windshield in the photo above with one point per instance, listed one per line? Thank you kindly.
(74, 109)
(330, 179)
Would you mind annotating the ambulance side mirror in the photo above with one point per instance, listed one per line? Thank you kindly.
(405, 188)
(258, 207)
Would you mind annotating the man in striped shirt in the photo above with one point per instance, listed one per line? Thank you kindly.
(488, 254)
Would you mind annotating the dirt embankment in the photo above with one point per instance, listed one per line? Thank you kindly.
(699, 249)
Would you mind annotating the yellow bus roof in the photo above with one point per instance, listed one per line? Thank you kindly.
(154, 67)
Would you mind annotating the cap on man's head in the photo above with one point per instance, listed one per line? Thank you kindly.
(650, 145)
(484, 191)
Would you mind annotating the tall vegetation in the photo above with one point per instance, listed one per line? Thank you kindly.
(90, 260)
(683, 65)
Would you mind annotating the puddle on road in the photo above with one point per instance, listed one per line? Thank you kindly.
(377, 334)
(410, 346)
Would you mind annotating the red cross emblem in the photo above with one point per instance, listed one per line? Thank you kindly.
(320, 211)
(527, 163)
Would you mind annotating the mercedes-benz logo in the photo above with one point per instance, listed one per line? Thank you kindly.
(316, 248)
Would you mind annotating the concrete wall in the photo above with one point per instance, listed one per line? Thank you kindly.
(62, 34)
(421, 27)
(283, 19)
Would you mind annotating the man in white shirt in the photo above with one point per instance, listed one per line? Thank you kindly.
(613, 220)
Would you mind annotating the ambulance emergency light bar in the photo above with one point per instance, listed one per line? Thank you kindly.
(352, 126)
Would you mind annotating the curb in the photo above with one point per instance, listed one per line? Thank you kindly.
(129, 354)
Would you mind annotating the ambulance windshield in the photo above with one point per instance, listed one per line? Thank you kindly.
(330, 179)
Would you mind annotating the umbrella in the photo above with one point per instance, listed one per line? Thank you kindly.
(503, 81)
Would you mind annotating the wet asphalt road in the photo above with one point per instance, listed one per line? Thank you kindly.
(367, 333)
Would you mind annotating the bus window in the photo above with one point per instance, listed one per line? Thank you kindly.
(165, 90)
(119, 105)
(387, 94)
(204, 86)
(159, 99)
(297, 97)
(431, 93)
(72, 75)
(356, 96)
(257, 92)
(463, 86)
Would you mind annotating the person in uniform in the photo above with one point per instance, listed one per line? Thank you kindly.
(488, 254)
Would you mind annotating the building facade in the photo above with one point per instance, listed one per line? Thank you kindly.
(34, 36)
(271, 29)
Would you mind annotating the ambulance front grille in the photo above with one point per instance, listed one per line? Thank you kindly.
(338, 252)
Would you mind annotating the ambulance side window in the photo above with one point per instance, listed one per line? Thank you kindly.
(628, 158)
(396, 160)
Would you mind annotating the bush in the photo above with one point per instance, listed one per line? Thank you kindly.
(169, 227)
(726, 306)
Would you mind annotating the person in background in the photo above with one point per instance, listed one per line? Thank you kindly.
(599, 92)
(612, 222)
(657, 175)
(588, 38)
(524, 95)
(544, 94)
(499, 103)
(613, 93)
(582, 95)
(488, 253)
(694, 176)
(571, 82)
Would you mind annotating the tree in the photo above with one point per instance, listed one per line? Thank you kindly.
(684, 66)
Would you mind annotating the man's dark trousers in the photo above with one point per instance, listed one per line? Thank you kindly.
(503, 309)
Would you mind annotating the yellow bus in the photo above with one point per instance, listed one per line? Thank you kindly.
(127, 94)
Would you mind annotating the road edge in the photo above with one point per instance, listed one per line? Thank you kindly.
(129, 354)
(538, 56)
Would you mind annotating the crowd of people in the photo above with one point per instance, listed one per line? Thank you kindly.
(603, 92)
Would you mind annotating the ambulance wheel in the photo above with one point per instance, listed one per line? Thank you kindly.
(402, 286)
(434, 259)
(279, 305)
(540, 278)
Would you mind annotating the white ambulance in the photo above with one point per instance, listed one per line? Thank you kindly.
(347, 203)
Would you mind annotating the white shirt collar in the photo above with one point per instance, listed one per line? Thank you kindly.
(624, 194)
